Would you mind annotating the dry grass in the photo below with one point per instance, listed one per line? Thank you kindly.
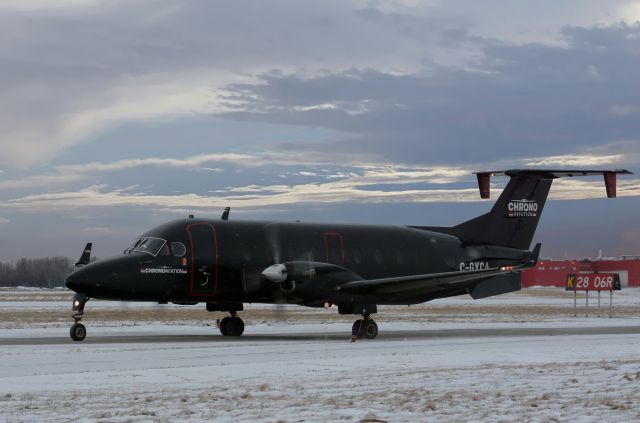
(99, 311)
(35, 317)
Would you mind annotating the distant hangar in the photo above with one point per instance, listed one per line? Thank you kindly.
(554, 272)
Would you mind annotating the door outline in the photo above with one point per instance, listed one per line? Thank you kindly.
(337, 241)
(194, 271)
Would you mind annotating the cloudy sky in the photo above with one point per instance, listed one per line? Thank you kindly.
(119, 115)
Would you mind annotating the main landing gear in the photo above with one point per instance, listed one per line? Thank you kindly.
(232, 325)
(365, 327)
(78, 332)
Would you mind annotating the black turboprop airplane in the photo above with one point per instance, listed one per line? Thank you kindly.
(226, 263)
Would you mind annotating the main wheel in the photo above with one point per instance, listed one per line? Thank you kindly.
(224, 326)
(78, 332)
(235, 326)
(358, 328)
(371, 329)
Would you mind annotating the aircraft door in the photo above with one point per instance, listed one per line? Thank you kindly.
(334, 248)
(204, 259)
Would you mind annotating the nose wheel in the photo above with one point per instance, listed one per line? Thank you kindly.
(78, 332)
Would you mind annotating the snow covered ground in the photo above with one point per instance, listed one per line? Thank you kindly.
(289, 371)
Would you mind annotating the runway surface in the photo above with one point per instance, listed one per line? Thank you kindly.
(396, 335)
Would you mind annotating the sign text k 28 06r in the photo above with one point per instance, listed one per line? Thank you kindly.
(593, 282)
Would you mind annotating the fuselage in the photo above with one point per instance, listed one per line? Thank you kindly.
(217, 261)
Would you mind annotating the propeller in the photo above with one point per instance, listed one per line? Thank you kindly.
(287, 270)
(277, 272)
(273, 240)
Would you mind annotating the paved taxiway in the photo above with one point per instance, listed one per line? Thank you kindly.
(333, 336)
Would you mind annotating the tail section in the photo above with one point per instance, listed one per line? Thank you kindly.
(514, 218)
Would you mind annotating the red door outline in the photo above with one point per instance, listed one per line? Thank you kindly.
(333, 239)
(193, 261)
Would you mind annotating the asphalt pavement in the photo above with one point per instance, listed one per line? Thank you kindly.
(397, 335)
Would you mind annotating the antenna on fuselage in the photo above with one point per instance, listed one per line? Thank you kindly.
(225, 213)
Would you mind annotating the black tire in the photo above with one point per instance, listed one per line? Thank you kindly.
(371, 329)
(78, 332)
(358, 328)
(224, 326)
(236, 326)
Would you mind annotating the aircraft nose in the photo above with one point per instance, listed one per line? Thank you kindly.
(77, 281)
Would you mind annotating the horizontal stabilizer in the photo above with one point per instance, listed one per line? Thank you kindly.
(484, 178)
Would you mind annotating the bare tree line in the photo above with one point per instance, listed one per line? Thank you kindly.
(41, 272)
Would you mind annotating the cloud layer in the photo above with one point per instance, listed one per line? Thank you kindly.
(152, 108)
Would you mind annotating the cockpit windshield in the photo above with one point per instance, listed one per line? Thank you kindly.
(147, 245)
(132, 246)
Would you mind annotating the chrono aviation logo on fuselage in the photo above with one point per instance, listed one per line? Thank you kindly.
(163, 270)
(522, 208)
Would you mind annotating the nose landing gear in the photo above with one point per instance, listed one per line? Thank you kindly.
(78, 332)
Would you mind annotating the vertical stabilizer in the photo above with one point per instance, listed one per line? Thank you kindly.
(513, 220)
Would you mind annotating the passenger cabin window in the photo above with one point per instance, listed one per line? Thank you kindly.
(357, 256)
(178, 249)
(378, 255)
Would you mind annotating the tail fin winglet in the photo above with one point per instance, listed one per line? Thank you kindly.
(535, 255)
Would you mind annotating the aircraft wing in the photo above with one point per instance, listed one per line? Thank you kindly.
(433, 282)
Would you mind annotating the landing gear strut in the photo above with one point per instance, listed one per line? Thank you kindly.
(365, 327)
(78, 332)
(232, 325)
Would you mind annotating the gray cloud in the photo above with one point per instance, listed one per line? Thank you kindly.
(523, 100)
(72, 70)
(70, 73)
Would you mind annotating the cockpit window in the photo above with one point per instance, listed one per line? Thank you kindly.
(178, 249)
(150, 246)
(165, 250)
(132, 246)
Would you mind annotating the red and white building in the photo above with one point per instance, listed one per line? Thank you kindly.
(554, 272)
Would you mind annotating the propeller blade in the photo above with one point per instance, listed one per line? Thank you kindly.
(273, 239)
